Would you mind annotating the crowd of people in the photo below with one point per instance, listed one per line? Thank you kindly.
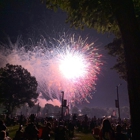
(34, 128)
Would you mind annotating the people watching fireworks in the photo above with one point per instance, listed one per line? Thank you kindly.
(106, 132)
(48, 128)
(119, 135)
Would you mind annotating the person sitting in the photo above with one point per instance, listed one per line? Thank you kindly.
(3, 136)
(19, 133)
(2, 126)
(95, 133)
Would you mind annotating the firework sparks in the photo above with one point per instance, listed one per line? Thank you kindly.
(65, 65)
(73, 66)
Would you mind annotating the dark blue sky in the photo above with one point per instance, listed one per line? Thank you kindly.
(30, 18)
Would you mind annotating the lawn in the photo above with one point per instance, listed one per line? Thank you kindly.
(12, 130)
(83, 136)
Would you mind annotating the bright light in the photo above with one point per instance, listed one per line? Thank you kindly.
(73, 66)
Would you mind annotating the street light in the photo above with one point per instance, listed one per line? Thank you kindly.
(62, 104)
(117, 102)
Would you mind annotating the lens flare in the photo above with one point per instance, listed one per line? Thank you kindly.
(66, 64)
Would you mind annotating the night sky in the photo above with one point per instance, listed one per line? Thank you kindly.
(30, 18)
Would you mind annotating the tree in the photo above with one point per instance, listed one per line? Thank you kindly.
(98, 112)
(116, 49)
(17, 87)
(75, 110)
(114, 16)
(86, 111)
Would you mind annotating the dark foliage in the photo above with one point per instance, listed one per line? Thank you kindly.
(17, 87)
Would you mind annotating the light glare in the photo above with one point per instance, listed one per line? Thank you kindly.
(72, 66)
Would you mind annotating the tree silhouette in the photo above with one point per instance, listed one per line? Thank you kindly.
(17, 87)
(116, 49)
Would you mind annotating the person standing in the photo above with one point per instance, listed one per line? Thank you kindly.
(106, 131)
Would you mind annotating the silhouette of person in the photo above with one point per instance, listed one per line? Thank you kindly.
(119, 135)
(106, 132)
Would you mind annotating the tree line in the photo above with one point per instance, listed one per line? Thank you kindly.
(50, 110)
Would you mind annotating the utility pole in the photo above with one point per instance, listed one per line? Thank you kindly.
(62, 104)
(118, 104)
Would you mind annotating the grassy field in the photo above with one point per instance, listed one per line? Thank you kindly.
(77, 136)
(12, 130)
(82, 136)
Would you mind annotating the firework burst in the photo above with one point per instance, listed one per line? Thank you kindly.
(68, 64)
